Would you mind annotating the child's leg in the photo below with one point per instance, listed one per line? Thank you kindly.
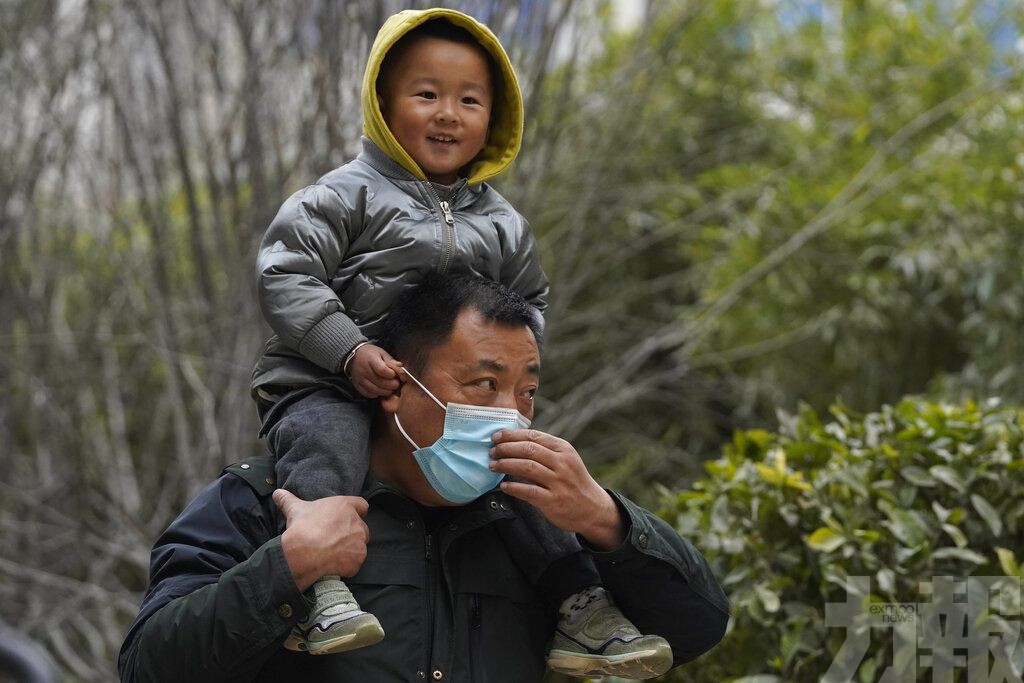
(592, 636)
(320, 442)
(321, 445)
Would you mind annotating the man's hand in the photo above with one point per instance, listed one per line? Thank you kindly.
(374, 372)
(323, 537)
(558, 484)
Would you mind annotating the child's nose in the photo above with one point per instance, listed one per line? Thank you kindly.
(446, 112)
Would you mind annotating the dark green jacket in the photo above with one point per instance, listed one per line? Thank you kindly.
(453, 604)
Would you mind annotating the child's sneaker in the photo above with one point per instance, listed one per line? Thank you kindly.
(335, 623)
(594, 638)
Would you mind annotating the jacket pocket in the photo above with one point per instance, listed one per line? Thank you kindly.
(382, 569)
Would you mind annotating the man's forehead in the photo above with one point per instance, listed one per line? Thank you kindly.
(477, 343)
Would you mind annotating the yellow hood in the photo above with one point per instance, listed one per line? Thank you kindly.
(506, 132)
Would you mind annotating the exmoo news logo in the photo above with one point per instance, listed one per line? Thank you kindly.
(960, 629)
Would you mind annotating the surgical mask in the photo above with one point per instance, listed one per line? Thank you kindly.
(457, 464)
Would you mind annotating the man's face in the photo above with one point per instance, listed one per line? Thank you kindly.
(436, 100)
(483, 363)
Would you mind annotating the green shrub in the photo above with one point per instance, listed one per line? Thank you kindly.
(911, 492)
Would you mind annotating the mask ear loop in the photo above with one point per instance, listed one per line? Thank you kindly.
(402, 429)
(425, 391)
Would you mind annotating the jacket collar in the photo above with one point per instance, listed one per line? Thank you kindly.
(374, 157)
(484, 510)
(382, 163)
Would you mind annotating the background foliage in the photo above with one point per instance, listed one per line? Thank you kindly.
(910, 492)
(742, 206)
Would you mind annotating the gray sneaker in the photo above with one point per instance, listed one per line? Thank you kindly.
(593, 638)
(335, 623)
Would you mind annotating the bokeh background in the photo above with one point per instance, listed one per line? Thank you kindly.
(747, 208)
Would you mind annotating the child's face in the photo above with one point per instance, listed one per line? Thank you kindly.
(437, 103)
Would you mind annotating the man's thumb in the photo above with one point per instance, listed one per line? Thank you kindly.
(285, 501)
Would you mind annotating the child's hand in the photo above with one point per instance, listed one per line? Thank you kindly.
(374, 372)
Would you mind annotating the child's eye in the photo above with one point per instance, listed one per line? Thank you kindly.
(469, 100)
(426, 94)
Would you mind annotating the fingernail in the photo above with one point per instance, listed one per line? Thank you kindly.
(496, 435)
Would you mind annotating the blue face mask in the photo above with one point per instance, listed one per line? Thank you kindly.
(456, 465)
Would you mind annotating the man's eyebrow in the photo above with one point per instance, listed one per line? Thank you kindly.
(491, 364)
(497, 366)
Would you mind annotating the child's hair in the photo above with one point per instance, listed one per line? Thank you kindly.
(444, 30)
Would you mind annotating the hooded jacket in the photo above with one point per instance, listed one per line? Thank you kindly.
(340, 251)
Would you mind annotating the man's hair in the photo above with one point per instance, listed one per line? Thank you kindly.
(423, 317)
(444, 30)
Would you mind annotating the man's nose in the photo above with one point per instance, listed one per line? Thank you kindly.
(506, 399)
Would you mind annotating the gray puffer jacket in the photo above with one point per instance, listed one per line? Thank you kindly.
(340, 251)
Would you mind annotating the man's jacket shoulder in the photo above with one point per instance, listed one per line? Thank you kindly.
(258, 472)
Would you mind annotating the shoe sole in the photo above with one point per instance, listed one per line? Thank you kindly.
(641, 665)
(365, 634)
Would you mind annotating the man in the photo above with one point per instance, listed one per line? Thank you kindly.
(227, 576)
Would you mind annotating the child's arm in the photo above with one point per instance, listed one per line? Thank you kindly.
(521, 270)
(299, 255)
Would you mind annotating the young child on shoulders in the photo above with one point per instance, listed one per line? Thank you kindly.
(442, 115)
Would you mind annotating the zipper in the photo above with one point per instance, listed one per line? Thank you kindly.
(475, 621)
(449, 219)
(429, 554)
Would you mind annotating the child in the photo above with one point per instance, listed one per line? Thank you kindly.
(442, 114)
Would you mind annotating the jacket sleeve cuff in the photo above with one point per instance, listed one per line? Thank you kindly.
(641, 540)
(329, 341)
(648, 536)
(626, 548)
(278, 595)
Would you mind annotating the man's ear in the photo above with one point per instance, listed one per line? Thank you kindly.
(391, 403)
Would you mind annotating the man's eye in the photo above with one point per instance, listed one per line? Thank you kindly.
(488, 384)
(529, 394)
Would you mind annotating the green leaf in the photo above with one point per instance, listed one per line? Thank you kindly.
(964, 554)
(948, 476)
(956, 534)
(906, 527)
(869, 535)
(918, 476)
(768, 598)
(988, 513)
(825, 540)
(1008, 561)
(886, 580)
